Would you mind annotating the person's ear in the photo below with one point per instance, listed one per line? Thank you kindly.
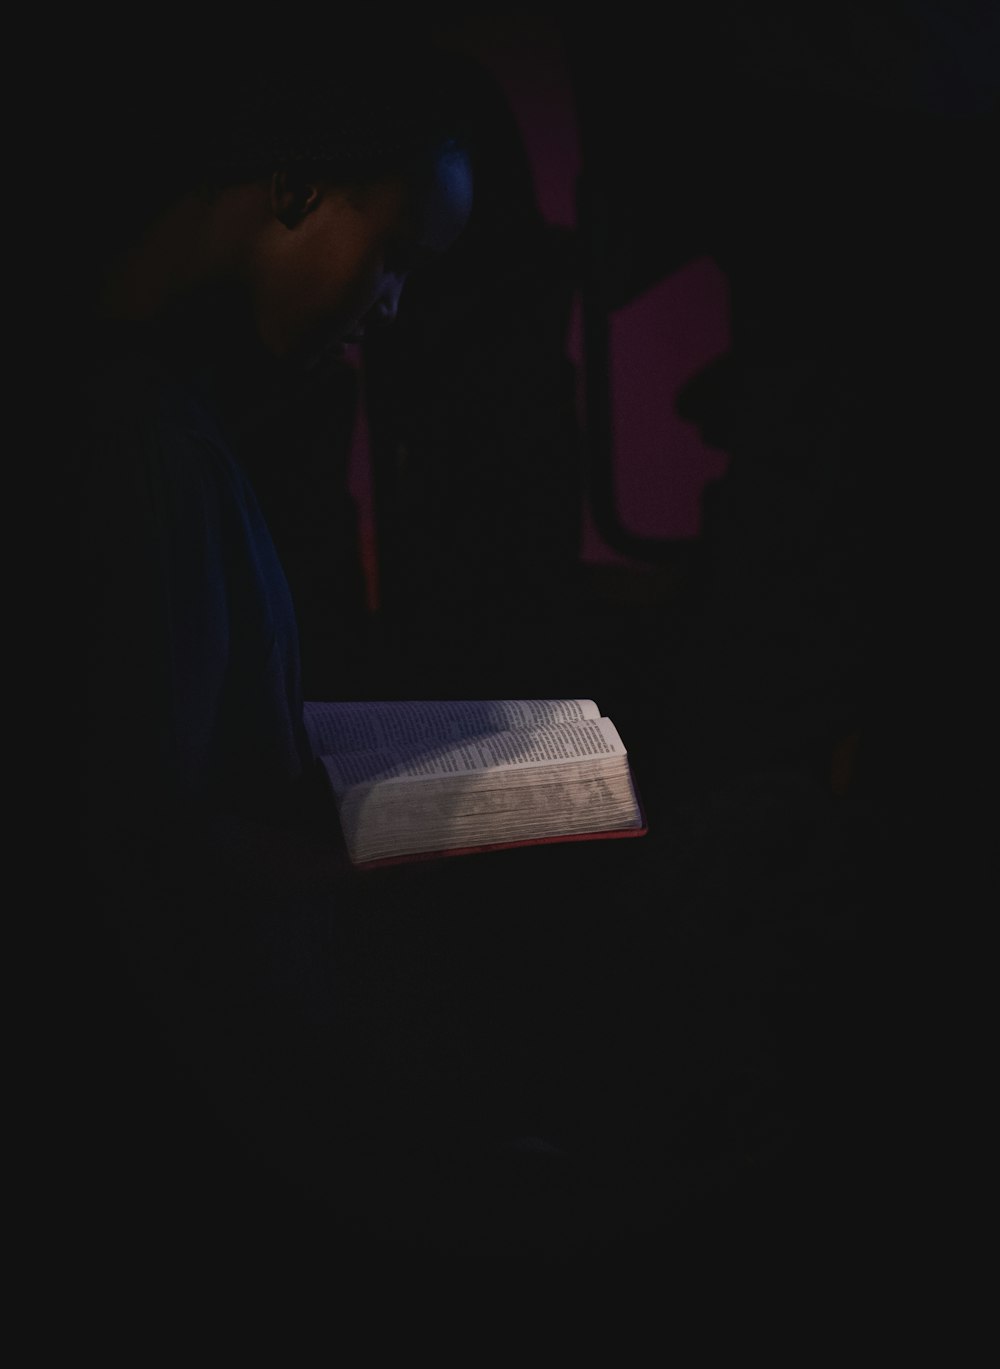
(293, 197)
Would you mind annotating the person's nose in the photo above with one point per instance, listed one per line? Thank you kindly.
(387, 305)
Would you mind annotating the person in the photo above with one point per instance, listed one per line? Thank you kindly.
(249, 1010)
(277, 251)
(269, 219)
(366, 1040)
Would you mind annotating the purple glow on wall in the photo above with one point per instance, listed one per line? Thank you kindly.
(658, 342)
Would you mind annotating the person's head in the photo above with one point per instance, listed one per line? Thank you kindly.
(324, 255)
(316, 181)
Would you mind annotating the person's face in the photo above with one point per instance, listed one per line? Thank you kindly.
(331, 268)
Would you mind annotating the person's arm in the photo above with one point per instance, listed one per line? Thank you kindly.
(196, 770)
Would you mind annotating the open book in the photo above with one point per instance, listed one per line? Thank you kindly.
(421, 778)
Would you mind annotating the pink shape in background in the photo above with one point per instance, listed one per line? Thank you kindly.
(658, 341)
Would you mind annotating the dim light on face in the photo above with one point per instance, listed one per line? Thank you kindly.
(337, 271)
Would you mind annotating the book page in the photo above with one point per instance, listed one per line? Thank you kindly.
(375, 725)
(535, 802)
(565, 743)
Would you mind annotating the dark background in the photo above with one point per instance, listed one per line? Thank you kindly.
(689, 422)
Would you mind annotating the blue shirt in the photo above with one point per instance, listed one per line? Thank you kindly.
(194, 691)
